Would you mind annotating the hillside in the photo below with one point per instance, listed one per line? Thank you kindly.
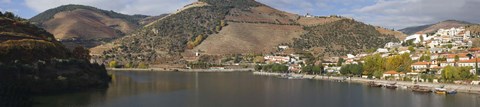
(78, 23)
(231, 27)
(432, 28)
(342, 37)
(32, 61)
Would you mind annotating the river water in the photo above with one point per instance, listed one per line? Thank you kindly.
(243, 89)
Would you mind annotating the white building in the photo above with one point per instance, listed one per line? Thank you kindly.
(416, 38)
(393, 45)
(420, 66)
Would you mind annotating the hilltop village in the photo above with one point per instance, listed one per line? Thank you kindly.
(444, 56)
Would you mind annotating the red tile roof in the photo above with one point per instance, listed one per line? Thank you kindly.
(470, 61)
(391, 72)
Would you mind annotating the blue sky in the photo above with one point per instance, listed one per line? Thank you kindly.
(386, 13)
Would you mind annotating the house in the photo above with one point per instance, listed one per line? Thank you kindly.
(469, 63)
(382, 50)
(283, 47)
(420, 66)
(436, 50)
(277, 59)
(416, 38)
(393, 45)
(415, 57)
(396, 75)
(444, 64)
(461, 57)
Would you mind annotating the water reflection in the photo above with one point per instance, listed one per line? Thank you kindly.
(178, 89)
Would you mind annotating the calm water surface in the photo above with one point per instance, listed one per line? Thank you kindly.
(243, 89)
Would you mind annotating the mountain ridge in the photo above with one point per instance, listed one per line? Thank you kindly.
(174, 38)
(431, 28)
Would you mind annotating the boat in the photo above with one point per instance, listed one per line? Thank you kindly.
(419, 89)
(440, 91)
(452, 92)
(373, 84)
(391, 86)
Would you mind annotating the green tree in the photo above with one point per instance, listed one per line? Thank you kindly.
(457, 58)
(373, 63)
(411, 49)
(340, 61)
(128, 65)
(307, 69)
(112, 64)
(259, 59)
(378, 74)
(9, 15)
(316, 70)
(142, 65)
(344, 70)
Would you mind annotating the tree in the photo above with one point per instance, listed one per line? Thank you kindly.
(218, 28)
(223, 23)
(128, 65)
(411, 49)
(340, 61)
(316, 70)
(378, 74)
(81, 53)
(345, 70)
(373, 63)
(1, 14)
(259, 59)
(142, 65)
(307, 69)
(421, 38)
(457, 58)
(9, 15)
(112, 64)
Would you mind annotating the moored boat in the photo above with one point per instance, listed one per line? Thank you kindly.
(391, 86)
(373, 84)
(419, 89)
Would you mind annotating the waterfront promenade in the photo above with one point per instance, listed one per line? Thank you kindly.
(181, 70)
(460, 88)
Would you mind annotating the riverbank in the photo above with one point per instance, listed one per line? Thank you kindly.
(181, 70)
(460, 88)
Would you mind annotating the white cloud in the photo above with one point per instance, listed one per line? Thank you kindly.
(404, 13)
(147, 7)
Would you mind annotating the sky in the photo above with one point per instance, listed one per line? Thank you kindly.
(394, 14)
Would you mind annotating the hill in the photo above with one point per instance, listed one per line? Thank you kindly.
(233, 27)
(78, 24)
(342, 37)
(32, 61)
(432, 28)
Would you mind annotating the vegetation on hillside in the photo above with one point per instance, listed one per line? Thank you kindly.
(343, 37)
(47, 15)
(32, 62)
(170, 35)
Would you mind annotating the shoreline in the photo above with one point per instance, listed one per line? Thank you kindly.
(181, 70)
(472, 89)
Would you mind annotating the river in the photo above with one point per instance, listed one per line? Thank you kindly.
(243, 89)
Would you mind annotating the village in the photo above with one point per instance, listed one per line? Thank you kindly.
(446, 56)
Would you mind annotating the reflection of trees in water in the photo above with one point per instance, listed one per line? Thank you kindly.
(124, 84)
(13, 96)
(135, 83)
